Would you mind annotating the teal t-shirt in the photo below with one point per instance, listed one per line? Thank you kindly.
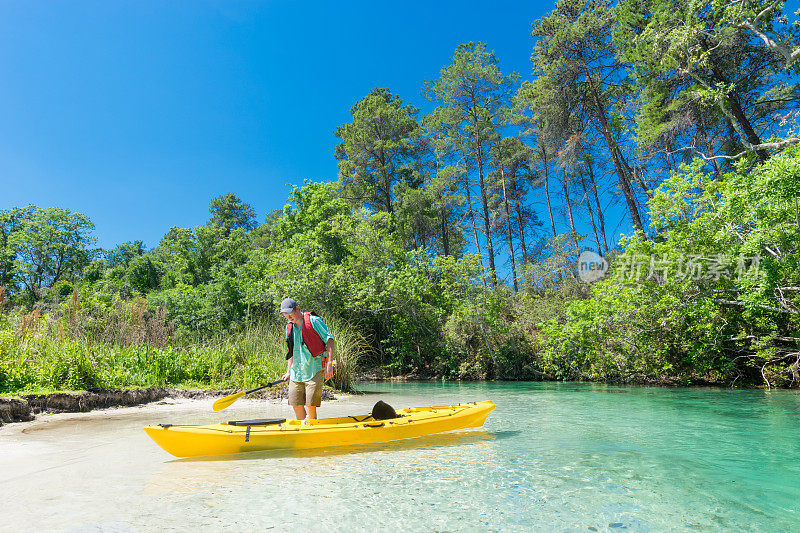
(304, 366)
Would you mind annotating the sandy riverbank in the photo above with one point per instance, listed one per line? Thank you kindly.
(28, 406)
(173, 406)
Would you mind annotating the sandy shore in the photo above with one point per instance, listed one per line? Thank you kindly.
(52, 420)
(178, 406)
(27, 407)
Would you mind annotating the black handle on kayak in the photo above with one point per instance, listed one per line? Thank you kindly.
(264, 386)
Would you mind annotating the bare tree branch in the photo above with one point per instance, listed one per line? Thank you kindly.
(788, 54)
(766, 307)
(752, 148)
(779, 46)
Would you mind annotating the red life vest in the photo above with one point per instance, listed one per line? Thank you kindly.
(310, 337)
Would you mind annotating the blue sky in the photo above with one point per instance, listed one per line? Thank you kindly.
(138, 113)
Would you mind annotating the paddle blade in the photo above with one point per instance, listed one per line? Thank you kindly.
(222, 403)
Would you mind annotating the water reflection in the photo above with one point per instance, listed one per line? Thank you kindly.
(386, 459)
(454, 438)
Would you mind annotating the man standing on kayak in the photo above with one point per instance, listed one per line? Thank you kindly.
(306, 333)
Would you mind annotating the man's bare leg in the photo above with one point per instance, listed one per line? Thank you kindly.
(312, 412)
(299, 412)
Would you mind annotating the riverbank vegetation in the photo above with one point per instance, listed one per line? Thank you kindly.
(450, 243)
(86, 345)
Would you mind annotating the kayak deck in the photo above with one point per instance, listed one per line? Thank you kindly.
(236, 437)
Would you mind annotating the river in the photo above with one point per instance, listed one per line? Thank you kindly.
(552, 456)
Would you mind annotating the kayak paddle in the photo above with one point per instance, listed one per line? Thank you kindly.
(222, 403)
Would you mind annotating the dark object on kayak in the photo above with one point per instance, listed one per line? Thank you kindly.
(257, 422)
(383, 411)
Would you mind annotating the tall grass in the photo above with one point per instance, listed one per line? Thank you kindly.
(351, 347)
(49, 352)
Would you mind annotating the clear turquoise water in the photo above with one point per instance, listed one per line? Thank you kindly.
(560, 457)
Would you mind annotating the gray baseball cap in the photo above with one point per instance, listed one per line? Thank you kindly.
(288, 305)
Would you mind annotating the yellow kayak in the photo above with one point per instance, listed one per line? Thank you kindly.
(271, 434)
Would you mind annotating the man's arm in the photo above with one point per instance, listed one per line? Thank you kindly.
(330, 350)
(288, 373)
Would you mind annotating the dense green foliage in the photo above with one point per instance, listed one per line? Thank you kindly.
(42, 247)
(714, 298)
(427, 255)
(709, 68)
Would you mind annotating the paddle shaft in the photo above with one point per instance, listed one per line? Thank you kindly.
(225, 402)
(264, 386)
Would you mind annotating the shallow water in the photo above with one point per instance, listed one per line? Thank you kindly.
(564, 457)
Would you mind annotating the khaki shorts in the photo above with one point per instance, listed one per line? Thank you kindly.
(307, 392)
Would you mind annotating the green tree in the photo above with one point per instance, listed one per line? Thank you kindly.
(178, 251)
(378, 149)
(707, 56)
(143, 274)
(428, 217)
(715, 297)
(229, 212)
(447, 180)
(262, 234)
(511, 162)
(473, 97)
(9, 224)
(51, 245)
(351, 264)
(579, 78)
(306, 253)
(124, 253)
